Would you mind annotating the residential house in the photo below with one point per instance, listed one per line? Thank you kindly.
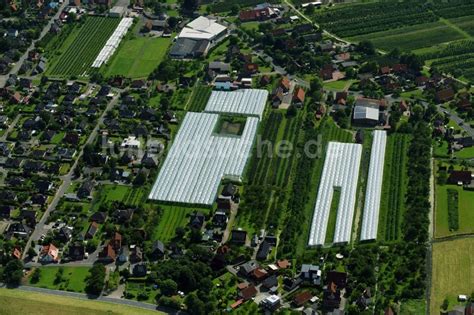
(238, 237)
(460, 178)
(196, 220)
(85, 191)
(157, 251)
(92, 230)
(246, 269)
(49, 254)
(108, 254)
(302, 298)
(139, 270)
(311, 273)
(99, 217)
(248, 293)
(299, 97)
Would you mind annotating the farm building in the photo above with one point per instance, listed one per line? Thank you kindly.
(367, 111)
(340, 173)
(196, 37)
(374, 187)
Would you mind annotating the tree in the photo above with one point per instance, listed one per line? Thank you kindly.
(35, 277)
(95, 280)
(168, 287)
(445, 304)
(194, 305)
(235, 9)
(13, 272)
(292, 111)
(366, 47)
(190, 5)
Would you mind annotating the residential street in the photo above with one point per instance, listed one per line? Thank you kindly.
(16, 67)
(66, 179)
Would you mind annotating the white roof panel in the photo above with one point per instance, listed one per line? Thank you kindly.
(245, 102)
(341, 169)
(374, 187)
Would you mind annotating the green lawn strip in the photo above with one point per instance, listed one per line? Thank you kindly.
(331, 226)
(467, 153)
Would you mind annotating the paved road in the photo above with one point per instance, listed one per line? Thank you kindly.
(10, 128)
(67, 179)
(83, 296)
(17, 66)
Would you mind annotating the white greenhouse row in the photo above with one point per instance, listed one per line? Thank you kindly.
(341, 171)
(374, 187)
(250, 102)
(198, 160)
(113, 42)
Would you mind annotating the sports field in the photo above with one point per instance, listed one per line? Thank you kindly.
(22, 302)
(82, 46)
(453, 272)
(137, 57)
(465, 211)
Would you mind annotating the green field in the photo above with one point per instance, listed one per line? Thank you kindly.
(15, 302)
(173, 216)
(465, 211)
(452, 273)
(413, 37)
(393, 187)
(82, 46)
(467, 153)
(413, 307)
(73, 279)
(137, 57)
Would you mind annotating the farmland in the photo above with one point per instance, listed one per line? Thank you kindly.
(24, 302)
(199, 98)
(393, 187)
(464, 210)
(76, 56)
(305, 187)
(268, 174)
(407, 25)
(452, 273)
(137, 57)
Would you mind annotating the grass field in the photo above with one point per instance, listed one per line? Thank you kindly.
(73, 279)
(453, 272)
(82, 46)
(467, 153)
(465, 211)
(171, 218)
(137, 57)
(413, 307)
(28, 303)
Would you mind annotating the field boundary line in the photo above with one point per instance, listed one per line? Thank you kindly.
(456, 28)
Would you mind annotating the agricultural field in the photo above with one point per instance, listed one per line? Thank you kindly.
(393, 187)
(172, 217)
(23, 302)
(199, 98)
(452, 273)
(407, 25)
(82, 46)
(137, 57)
(446, 205)
(268, 174)
(72, 278)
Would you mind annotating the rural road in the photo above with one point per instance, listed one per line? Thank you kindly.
(67, 179)
(17, 66)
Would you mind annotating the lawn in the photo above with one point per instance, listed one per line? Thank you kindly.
(28, 303)
(465, 210)
(137, 57)
(340, 85)
(110, 193)
(173, 216)
(467, 153)
(452, 273)
(82, 46)
(73, 279)
(413, 307)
